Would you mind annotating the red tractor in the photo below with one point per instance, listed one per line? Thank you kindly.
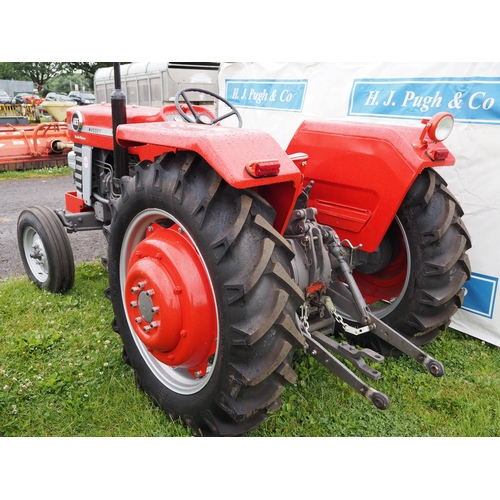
(226, 253)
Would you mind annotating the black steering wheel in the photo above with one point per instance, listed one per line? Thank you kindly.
(203, 118)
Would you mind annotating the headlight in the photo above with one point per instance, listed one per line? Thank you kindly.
(440, 127)
(437, 129)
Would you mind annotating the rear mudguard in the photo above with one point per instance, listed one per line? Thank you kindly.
(228, 151)
(361, 174)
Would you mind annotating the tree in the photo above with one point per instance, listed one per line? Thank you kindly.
(37, 72)
(68, 82)
(83, 73)
(87, 68)
(57, 76)
(7, 71)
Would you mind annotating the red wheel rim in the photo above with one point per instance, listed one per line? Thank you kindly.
(386, 288)
(169, 300)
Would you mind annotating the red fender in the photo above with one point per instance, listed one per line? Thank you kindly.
(150, 132)
(361, 174)
(228, 151)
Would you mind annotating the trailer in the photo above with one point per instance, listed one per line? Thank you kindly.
(156, 83)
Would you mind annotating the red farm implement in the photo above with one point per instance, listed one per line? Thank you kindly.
(25, 145)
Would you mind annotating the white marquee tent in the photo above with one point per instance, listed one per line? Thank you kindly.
(277, 97)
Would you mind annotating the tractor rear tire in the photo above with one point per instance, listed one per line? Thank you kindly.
(429, 266)
(45, 249)
(200, 265)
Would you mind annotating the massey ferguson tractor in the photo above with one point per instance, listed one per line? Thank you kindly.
(226, 253)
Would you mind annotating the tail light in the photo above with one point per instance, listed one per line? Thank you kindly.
(439, 154)
(263, 168)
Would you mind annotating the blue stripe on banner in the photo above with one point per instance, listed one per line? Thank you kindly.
(473, 99)
(481, 291)
(280, 95)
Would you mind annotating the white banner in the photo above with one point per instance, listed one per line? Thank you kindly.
(277, 97)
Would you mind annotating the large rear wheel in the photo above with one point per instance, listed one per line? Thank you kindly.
(420, 288)
(200, 294)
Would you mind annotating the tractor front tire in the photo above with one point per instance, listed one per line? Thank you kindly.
(45, 249)
(202, 301)
(422, 287)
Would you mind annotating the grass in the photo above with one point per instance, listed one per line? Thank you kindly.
(35, 173)
(465, 402)
(61, 374)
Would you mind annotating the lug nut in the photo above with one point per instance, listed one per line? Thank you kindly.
(155, 309)
(133, 304)
(138, 320)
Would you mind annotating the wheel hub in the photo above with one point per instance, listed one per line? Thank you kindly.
(35, 254)
(169, 300)
(146, 307)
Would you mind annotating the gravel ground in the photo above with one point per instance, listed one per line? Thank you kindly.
(15, 196)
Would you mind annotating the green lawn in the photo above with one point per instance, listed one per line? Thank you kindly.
(61, 374)
(32, 173)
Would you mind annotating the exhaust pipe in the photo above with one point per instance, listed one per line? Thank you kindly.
(119, 117)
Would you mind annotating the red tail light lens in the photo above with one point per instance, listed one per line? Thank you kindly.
(438, 154)
(263, 168)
